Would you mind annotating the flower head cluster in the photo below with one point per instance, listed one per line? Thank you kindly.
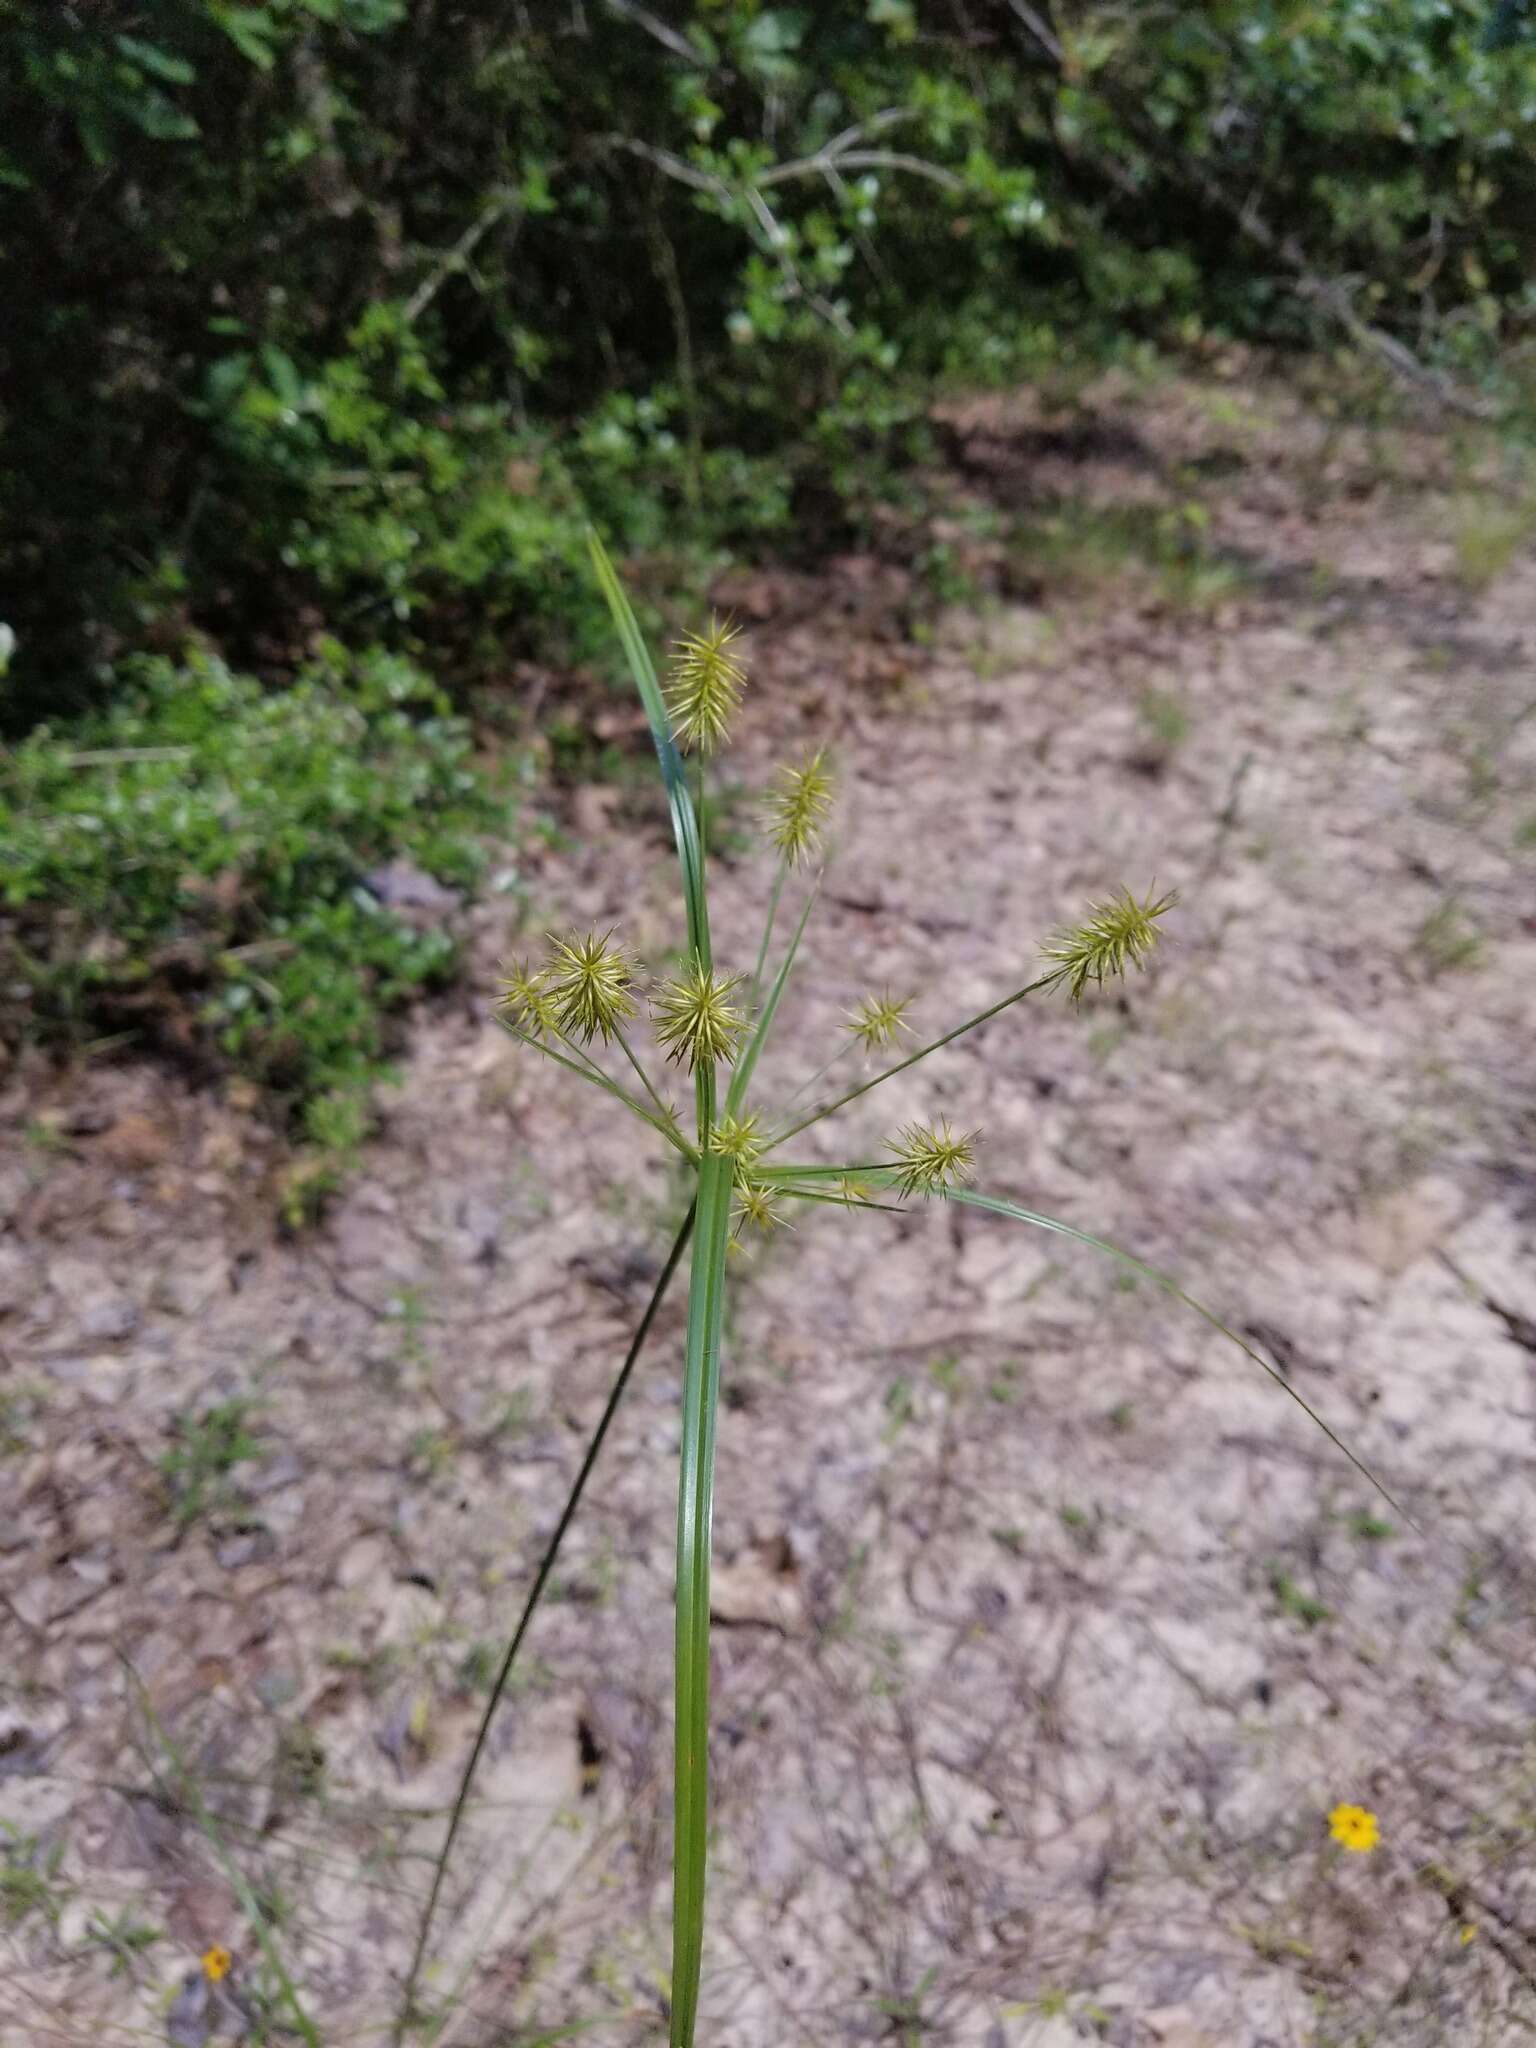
(758, 1203)
(1114, 936)
(704, 686)
(217, 1963)
(878, 1019)
(1354, 1827)
(737, 1139)
(588, 981)
(526, 998)
(695, 1018)
(932, 1158)
(798, 808)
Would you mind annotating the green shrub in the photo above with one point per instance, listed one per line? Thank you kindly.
(350, 307)
(193, 867)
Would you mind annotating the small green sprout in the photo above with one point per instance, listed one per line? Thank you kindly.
(798, 809)
(704, 687)
(1114, 936)
(588, 980)
(695, 1019)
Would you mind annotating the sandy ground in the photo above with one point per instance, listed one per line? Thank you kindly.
(1049, 1631)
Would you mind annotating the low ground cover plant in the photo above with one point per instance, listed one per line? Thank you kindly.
(209, 867)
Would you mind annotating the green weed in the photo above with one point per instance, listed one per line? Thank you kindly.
(1163, 553)
(1487, 536)
(581, 1008)
(1294, 1602)
(29, 1876)
(198, 1469)
(1447, 941)
(214, 865)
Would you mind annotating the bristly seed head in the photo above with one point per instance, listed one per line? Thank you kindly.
(932, 1159)
(526, 999)
(589, 981)
(758, 1203)
(797, 811)
(704, 687)
(694, 1016)
(878, 1019)
(1114, 936)
(736, 1138)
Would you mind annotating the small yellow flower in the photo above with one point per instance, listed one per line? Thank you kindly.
(933, 1159)
(217, 1963)
(526, 998)
(1354, 1827)
(588, 981)
(878, 1019)
(1467, 1935)
(797, 810)
(1114, 936)
(705, 686)
(695, 1018)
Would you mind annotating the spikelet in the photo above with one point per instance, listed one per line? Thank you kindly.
(931, 1159)
(798, 808)
(589, 982)
(704, 686)
(695, 1019)
(526, 999)
(878, 1019)
(1114, 936)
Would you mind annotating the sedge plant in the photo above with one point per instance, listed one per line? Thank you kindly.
(580, 1007)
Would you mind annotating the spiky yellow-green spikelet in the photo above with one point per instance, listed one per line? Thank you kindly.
(704, 686)
(932, 1158)
(589, 982)
(695, 1018)
(1114, 936)
(758, 1203)
(798, 808)
(526, 999)
(878, 1019)
(737, 1139)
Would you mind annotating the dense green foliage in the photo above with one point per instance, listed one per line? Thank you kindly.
(355, 309)
(199, 862)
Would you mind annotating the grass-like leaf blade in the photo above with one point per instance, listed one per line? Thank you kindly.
(685, 824)
(975, 1199)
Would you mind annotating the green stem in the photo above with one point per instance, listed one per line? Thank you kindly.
(695, 1515)
(768, 924)
(645, 1079)
(820, 1074)
(541, 1580)
(588, 1070)
(828, 1109)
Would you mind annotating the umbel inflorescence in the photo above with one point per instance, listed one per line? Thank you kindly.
(587, 991)
(589, 1006)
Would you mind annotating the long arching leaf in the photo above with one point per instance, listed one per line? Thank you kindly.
(995, 1203)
